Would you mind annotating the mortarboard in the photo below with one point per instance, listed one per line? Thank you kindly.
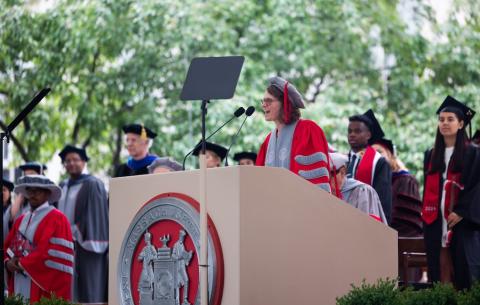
(464, 112)
(218, 149)
(388, 144)
(72, 149)
(245, 155)
(33, 165)
(139, 129)
(373, 125)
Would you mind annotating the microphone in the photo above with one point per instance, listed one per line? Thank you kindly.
(236, 114)
(27, 109)
(249, 112)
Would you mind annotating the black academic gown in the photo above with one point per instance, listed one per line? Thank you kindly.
(382, 183)
(91, 239)
(465, 243)
(123, 170)
(466, 234)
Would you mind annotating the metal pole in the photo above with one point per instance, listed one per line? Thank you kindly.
(3, 136)
(203, 216)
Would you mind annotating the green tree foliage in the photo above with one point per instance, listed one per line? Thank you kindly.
(111, 62)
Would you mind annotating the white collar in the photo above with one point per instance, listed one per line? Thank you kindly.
(43, 206)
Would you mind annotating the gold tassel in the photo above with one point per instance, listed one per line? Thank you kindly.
(143, 134)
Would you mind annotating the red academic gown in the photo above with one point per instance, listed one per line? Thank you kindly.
(52, 250)
(308, 141)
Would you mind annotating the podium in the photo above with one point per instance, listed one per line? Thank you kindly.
(283, 240)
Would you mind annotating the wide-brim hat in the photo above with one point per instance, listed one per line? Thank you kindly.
(38, 181)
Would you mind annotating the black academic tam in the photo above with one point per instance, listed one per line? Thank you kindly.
(245, 155)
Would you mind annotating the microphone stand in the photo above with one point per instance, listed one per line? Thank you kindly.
(234, 140)
(203, 266)
(237, 113)
(250, 110)
(5, 136)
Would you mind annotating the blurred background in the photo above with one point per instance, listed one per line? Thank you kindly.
(113, 62)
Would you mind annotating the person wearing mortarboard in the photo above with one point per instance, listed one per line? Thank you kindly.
(84, 201)
(33, 168)
(358, 194)
(39, 247)
(450, 211)
(214, 154)
(295, 144)
(245, 158)
(138, 140)
(406, 202)
(365, 163)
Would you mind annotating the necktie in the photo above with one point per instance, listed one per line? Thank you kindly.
(351, 166)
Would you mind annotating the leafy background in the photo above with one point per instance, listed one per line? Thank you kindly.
(112, 62)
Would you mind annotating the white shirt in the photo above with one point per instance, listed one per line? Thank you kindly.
(448, 156)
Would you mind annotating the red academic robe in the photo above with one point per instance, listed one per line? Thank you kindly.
(308, 140)
(52, 250)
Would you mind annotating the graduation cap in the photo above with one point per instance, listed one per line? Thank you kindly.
(139, 129)
(291, 96)
(218, 149)
(8, 184)
(464, 112)
(245, 155)
(33, 165)
(372, 123)
(72, 149)
(388, 144)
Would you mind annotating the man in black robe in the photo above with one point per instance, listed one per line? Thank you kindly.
(84, 202)
(138, 140)
(365, 163)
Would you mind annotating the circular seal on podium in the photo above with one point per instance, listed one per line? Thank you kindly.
(159, 258)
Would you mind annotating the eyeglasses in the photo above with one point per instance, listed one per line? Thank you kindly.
(267, 101)
(69, 161)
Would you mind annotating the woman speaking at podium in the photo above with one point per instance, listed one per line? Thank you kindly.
(295, 144)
